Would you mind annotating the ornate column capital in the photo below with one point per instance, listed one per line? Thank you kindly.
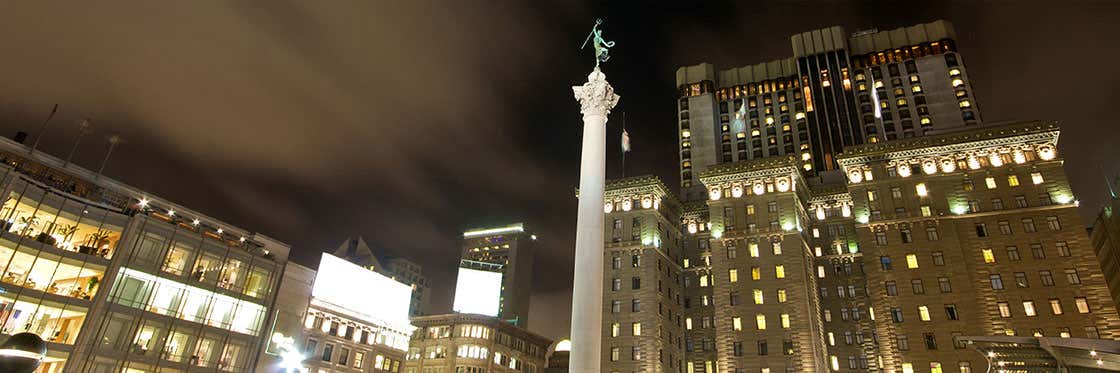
(596, 96)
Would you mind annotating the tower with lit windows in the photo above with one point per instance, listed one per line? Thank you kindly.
(506, 251)
(837, 90)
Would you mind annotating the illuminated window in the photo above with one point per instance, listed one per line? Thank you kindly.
(1028, 308)
(785, 321)
(781, 295)
(990, 182)
(921, 189)
(1036, 177)
(736, 323)
(769, 120)
(636, 328)
(760, 321)
(686, 134)
(688, 323)
(911, 261)
(756, 274)
(1004, 309)
(758, 296)
(733, 274)
(964, 103)
(916, 88)
(1082, 304)
(755, 133)
(1056, 306)
(741, 135)
(957, 82)
(779, 271)
(753, 248)
(1013, 180)
(923, 313)
(615, 329)
(907, 368)
(901, 102)
(989, 257)
(954, 72)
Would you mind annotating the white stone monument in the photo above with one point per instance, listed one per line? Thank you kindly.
(596, 98)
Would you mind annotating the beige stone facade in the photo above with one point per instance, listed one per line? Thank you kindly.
(879, 265)
(642, 295)
(469, 343)
(973, 233)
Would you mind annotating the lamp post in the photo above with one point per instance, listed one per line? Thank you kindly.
(22, 353)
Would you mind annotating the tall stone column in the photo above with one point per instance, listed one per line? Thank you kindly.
(596, 99)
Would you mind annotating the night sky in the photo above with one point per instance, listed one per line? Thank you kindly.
(408, 122)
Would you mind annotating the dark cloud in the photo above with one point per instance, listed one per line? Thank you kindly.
(407, 122)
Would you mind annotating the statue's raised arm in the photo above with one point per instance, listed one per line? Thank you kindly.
(601, 46)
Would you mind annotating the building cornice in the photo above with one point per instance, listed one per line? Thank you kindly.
(983, 138)
(471, 318)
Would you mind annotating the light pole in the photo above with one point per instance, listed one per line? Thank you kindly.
(22, 353)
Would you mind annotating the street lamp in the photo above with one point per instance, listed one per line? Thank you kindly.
(22, 353)
(291, 360)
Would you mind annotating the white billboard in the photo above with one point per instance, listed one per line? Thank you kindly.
(478, 291)
(361, 292)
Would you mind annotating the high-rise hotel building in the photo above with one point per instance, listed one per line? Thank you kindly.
(845, 210)
(115, 279)
(508, 251)
(837, 90)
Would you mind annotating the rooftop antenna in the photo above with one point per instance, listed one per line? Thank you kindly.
(85, 126)
(42, 128)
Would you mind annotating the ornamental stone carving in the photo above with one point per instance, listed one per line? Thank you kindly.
(596, 97)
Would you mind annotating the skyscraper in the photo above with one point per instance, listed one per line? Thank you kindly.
(837, 90)
(507, 251)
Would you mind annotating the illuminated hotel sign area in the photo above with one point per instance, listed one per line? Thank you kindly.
(516, 228)
(335, 286)
(478, 291)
